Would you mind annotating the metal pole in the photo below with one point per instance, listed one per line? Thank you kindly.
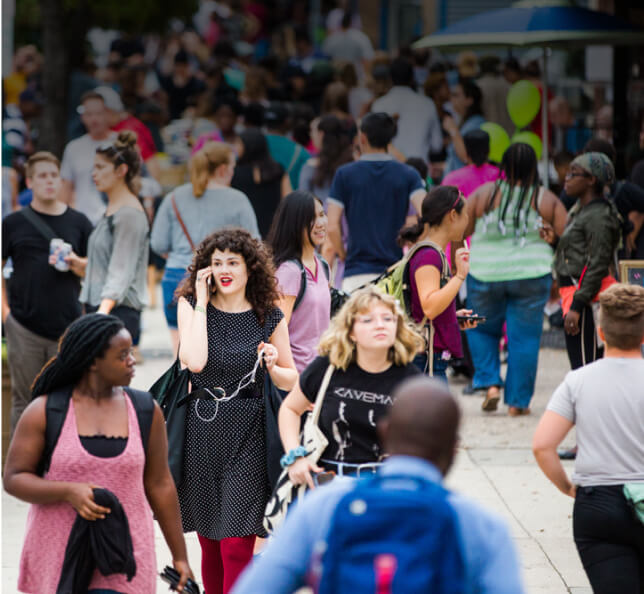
(544, 118)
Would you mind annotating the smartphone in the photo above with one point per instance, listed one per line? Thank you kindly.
(322, 478)
(472, 318)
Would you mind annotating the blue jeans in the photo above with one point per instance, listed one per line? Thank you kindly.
(520, 303)
(440, 365)
(169, 283)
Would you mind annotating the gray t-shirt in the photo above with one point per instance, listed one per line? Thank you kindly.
(605, 400)
(214, 210)
(117, 260)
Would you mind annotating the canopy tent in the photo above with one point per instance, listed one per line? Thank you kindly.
(543, 23)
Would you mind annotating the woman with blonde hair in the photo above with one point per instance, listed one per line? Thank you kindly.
(371, 345)
(192, 212)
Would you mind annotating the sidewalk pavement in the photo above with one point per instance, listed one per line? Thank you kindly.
(494, 466)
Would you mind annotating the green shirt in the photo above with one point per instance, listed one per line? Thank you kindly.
(500, 251)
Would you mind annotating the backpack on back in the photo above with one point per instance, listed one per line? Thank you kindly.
(56, 411)
(394, 535)
(396, 280)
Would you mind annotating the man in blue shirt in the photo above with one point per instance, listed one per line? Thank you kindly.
(374, 193)
(420, 435)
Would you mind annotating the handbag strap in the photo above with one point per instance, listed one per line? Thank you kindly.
(43, 228)
(319, 399)
(181, 223)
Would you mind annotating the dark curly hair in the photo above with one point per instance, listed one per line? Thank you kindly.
(261, 289)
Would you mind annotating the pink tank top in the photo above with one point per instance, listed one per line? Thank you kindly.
(49, 526)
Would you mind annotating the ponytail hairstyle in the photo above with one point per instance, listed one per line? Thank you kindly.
(84, 341)
(124, 151)
(205, 162)
(519, 166)
(438, 203)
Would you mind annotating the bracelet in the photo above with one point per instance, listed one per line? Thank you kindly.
(287, 459)
(201, 309)
(461, 277)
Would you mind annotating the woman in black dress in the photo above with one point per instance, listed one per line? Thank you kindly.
(227, 318)
(260, 177)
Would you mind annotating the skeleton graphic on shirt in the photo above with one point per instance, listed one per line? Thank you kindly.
(341, 432)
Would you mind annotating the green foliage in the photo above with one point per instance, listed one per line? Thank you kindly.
(133, 16)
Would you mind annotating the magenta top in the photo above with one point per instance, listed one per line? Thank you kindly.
(447, 335)
(469, 178)
(311, 318)
(49, 526)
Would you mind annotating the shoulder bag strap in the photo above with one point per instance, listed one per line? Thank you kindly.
(294, 158)
(181, 223)
(43, 228)
(55, 413)
(319, 399)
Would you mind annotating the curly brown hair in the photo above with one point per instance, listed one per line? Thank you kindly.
(261, 289)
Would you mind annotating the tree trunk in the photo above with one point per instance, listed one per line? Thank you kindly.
(55, 77)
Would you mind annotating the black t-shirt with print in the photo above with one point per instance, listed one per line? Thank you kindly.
(353, 404)
(43, 299)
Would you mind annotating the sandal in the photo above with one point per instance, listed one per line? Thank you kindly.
(515, 411)
(491, 399)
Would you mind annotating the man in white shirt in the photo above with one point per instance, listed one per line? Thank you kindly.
(78, 188)
(419, 128)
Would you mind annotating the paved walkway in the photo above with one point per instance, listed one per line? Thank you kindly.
(494, 466)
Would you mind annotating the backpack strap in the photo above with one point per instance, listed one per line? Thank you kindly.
(43, 228)
(55, 413)
(300, 294)
(325, 267)
(144, 406)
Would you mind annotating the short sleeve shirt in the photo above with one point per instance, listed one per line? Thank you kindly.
(374, 193)
(353, 404)
(446, 331)
(605, 400)
(311, 318)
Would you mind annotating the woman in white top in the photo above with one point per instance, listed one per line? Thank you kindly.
(605, 401)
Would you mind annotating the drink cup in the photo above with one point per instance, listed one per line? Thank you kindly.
(61, 249)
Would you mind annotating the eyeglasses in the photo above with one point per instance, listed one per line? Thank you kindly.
(577, 174)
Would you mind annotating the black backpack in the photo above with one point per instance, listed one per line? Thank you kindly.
(56, 411)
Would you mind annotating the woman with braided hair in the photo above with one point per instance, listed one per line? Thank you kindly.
(510, 276)
(100, 444)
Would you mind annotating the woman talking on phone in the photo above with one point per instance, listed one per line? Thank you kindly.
(228, 325)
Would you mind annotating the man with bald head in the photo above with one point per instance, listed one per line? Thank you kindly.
(420, 436)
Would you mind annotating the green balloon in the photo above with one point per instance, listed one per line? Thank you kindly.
(529, 138)
(499, 140)
(523, 102)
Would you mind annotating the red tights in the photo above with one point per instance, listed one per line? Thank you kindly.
(223, 560)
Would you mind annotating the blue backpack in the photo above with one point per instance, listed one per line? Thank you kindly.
(394, 535)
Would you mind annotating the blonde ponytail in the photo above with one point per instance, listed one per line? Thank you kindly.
(205, 162)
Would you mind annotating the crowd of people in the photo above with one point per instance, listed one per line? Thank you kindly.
(326, 223)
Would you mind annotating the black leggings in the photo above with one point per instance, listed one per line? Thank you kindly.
(609, 539)
(582, 348)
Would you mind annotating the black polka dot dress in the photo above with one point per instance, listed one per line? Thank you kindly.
(225, 487)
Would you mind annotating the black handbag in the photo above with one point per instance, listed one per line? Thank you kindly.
(168, 391)
(273, 398)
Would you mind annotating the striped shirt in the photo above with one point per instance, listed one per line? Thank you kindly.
(501, 252)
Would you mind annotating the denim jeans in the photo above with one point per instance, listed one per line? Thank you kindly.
(440, 365)
(520, 303)
(169, 283)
